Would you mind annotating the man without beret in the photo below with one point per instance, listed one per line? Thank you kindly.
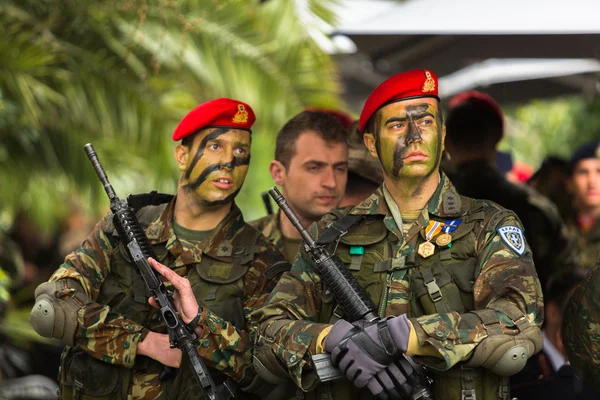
(117, 347)
(582, 317)
(452, 276)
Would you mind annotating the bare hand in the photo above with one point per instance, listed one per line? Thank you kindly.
(184, 299)
(158, 347)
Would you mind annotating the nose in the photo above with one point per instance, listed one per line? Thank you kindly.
(328, 179)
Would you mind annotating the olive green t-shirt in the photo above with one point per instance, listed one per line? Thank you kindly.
(189, 235)
(290, 248)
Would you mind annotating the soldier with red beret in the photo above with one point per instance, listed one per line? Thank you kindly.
(117, 346)
(452, 277)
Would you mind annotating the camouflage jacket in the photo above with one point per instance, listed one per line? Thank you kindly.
(499, 279)
(269, 227)
(588, 243)
(582, 316)
(112, 337)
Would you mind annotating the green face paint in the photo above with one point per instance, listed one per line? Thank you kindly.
(217, 170)
(410, 139)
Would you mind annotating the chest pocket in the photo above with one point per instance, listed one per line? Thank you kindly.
(219, 286)
(359, 250)
(441, 288)
(444, 282)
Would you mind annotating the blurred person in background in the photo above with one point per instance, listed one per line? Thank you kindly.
(96, 302)
(364, 171)
(548, 375)
(311, 166)
(584, 187)
(474, 127)
(551, 180)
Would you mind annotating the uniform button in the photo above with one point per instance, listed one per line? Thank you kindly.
(439, 334)
(205, 343)
(449, 346)
(130, 328)
(293, 359)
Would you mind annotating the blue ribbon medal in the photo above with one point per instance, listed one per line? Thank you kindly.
(445, 239)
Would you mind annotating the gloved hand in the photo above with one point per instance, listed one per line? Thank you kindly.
(392, 382)
(360, 353)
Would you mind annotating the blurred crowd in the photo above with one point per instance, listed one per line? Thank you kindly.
(558, 204)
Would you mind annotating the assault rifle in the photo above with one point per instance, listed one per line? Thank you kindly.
(131, 233)
(358, 306)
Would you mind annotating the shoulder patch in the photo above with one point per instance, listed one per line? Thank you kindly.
(513, 237)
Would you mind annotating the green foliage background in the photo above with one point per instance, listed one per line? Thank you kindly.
(551, 127)
(121, 74)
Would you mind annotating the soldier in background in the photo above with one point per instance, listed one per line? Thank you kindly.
(452, 276)
(475, 125)
(311, 166)
(548, 375)
(96, 302)
(584, 186)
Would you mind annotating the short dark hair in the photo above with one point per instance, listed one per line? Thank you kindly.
(373, 124)
(324, 125)
(473, 124)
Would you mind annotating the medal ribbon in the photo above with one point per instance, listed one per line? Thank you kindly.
(432, 229)
(450, 225)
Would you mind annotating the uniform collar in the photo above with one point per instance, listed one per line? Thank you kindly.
(444, 203)
(218, 244)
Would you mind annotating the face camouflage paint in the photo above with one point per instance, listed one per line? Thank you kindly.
(409, 141)
(219, 166)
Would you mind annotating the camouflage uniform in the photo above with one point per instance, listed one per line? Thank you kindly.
(546, 233)
(580, 337)
(588, 242)
(269, 227)
(229, 279)
(447, 296)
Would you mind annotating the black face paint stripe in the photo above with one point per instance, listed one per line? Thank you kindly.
(236, 162)
(226, 200)
(211, 136)
(398, 159)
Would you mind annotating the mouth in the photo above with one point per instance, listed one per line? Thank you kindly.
(415, 156)
(326, 199)
(223, 183)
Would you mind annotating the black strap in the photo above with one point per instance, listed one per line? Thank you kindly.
(139, 201)
(337, 229)
(194, 323)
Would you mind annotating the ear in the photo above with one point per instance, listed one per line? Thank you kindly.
(369, 141)
(181, 153)
(278, 172)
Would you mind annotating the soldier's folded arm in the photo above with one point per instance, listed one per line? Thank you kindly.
(289, 333)
(69, 312)
(507, 315)
(228, 348)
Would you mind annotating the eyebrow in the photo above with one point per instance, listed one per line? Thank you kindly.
(402, 119)
(324, 164)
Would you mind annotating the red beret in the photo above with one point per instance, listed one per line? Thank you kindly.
(405, 85)
(345, 119)
(219, 113)
(479, 99)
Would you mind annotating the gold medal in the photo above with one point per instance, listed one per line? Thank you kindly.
(426, 249)
(443, 240)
